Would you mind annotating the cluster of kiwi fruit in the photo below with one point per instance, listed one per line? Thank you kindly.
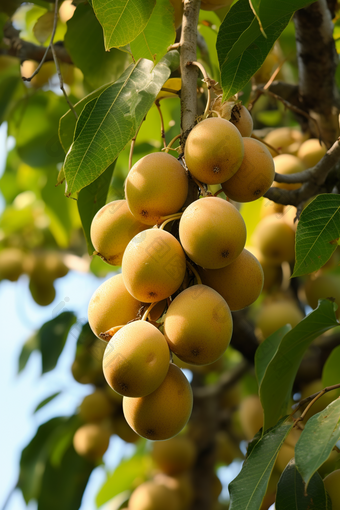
(43, 268)
(176, 258)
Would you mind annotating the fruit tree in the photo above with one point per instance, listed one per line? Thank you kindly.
(185, 155)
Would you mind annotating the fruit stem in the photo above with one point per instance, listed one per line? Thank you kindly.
(158, 106)
(148, 310)
(200, 185)
(194, 271)
(218, 192)
(169, 218)
(207, 81)
(168, 147)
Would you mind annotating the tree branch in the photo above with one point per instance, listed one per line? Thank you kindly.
(317, 62)
(24, 50)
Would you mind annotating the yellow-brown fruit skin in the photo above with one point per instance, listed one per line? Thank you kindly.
(255, 175)
(322, 402)
(240, 283)
(310, 152)
(12, 262)
(181, 484)
(242, 120)
(42, 293)
(251, 415)
(112, 229)
(154, 496)
(122, 430)
(322, 287)
(287, 164)
(332, 484)
(175, 455)
(214, 150)
(273, 316)
(212, 232)
(95, 407)
(136, 360)
(153, 265)
(156, 186)
(286, 140)
(198, 325)
(275, 240)
(91, 441)
(111, 305)
(162, 414)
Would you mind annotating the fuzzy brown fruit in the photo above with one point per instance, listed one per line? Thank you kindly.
(242, 119)
(136, 360)
(255, 175)
(212, 232)
(275, 239)
(156, 186)
(175, 455)
(251, 415)
(112, 229)
(198, 325)
(287, 164)
(332, 482)
(153, 265)
(214, 150)
(91, 441)
(240, 283)
(162, 414)
(154, 496)
(273, 316)
(111, 305)
(12, 261)
(95, 407)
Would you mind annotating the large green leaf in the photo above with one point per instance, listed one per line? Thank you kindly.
(34, 457)
(114, 120)
(158, 35)
(91, 199)
(320, 435)
(29, 346)
(51, 339)
(241, 46)
(84, 42)
(8, 87)
(67, 123)
(63, 486)
(122, 20)
(268, 350)
(122, 478)
(277, 383)
(46, 401)
(247, 490)
(292, 495)
(34, 124)
(317, 233)
(330, 371)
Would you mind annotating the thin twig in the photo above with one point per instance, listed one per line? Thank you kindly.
(207, 80)
(61, 83)
(227, 380)
(162, 123)
(268, 144)
(49, 47)
(312, 399)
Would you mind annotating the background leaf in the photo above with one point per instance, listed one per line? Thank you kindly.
(51, 338)
(158, 35)
(265, 353)
(91, 199)
(114, 120)
(291, 492)
(330, 372)
(317, 234)
(122, 20)
(277, 383)
(320, 435)
(247, 490)
(85, 44)
(44, 402)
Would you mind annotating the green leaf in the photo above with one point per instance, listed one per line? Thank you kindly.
(277, 383)
(51, 338)
(291, 493)
(63, 486)
(46, 401)
(267, 350)
(122, 478)
(317, 234)
(29, 346)
(158, 35)
(241, 46)
(122, 20)
(247, 490)
(330, 371)
(8, 87)
(67, 123)
(85, 44)
(320, 435)
(114, 120)
(34, 125)
(34, 457)
(91, 199)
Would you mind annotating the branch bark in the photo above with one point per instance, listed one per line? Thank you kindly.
(317, 62)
